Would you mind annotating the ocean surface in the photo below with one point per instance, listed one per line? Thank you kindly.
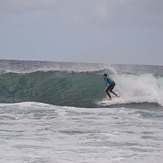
(56, 112)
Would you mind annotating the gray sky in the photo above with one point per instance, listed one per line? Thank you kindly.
(109, 31)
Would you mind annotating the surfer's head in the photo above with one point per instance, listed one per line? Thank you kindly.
(105, 75)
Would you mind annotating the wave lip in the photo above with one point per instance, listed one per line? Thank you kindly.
(18, 66)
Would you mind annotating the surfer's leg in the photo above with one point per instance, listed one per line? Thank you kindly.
(114, 93)
(111, 89)
(107, 92)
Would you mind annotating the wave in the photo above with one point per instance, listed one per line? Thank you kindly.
(78, 84)
(79, 89)
(52, 87)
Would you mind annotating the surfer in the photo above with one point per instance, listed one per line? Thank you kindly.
(110, 84)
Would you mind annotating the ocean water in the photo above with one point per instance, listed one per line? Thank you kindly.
(53, 112)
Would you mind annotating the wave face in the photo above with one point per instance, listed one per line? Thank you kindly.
(79, 85)
(53, 87)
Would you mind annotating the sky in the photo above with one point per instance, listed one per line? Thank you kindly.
(98, 31)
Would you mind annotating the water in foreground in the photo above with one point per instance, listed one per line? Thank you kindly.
(36, 132)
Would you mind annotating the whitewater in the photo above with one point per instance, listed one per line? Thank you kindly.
(54, 112)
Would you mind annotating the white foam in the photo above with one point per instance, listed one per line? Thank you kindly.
(46, 133)
(137, 89)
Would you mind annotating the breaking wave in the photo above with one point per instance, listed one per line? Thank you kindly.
(79, 89)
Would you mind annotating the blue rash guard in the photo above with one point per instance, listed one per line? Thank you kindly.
(108, 81)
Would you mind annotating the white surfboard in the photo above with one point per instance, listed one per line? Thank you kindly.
(113, 101)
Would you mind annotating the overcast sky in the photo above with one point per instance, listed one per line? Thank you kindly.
(109, 31)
